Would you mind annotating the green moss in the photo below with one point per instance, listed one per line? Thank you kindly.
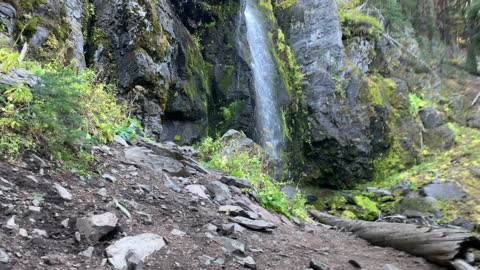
(348, 215)
(225, 82)
(177, 138)
(369, 208)
(356, 23)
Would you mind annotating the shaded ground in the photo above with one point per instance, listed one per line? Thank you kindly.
(288, 247)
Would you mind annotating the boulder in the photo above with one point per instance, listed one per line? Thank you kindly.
(443, 191)
(197, 190)
(120, 253)
(230, 246)
(219, 191)
(4, 258)
(440, 137)
(431, 117)
(145, 157)
(473, 119)
(96, 226)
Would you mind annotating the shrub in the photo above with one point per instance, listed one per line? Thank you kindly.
(62, 116)
(250, 164)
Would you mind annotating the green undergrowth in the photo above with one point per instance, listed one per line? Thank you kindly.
(356, 23)
(455, 165)
(250, 165)
(61, 117)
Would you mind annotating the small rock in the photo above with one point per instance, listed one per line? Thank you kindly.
(318, 265)
(23, 233)
(53, 259)
(35, 209)
(198, 190)
(235, 181)
(219, 261)
(122, 208)
(205, 260)
(210, 227)
(178, 233)
(40, 233)
(11, 224)
(65, 222)
(96, 226)
(171, 184)
(109, 177)
(247, 262)
(120, 140)
(254, 224)
(134, 262)
(88, 252)
(141, 245)
(102, 192)
(231, 228)
(63, 192)
(230, 246)
(390, 267)
(4, 258)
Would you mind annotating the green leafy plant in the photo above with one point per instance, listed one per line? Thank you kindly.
(250, 164)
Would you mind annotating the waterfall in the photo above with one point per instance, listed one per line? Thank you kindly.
(266, 78)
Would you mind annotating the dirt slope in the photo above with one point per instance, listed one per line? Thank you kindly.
(154, 208)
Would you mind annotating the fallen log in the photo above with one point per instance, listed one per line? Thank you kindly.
(443, 246)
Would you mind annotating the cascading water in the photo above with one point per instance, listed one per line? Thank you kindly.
(265, 75)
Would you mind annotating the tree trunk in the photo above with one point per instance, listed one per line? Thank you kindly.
(438, 245)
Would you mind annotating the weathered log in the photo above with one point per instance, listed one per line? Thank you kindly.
(443, 246)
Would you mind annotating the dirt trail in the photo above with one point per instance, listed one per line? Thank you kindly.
(157, 209)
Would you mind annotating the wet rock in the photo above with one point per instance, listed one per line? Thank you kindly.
(318, 265)
(379, 192)
(431, 117)
(219, 191)
(141, 245)
(463, 222)
(230, 246)
(177, 232)
(401, 189)
(63, 192)
(254, 224)
(4, 258)
(475, 172)
(96, 226)
(444, 191)
(235, 181)
(198, 190)
(247, 262)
